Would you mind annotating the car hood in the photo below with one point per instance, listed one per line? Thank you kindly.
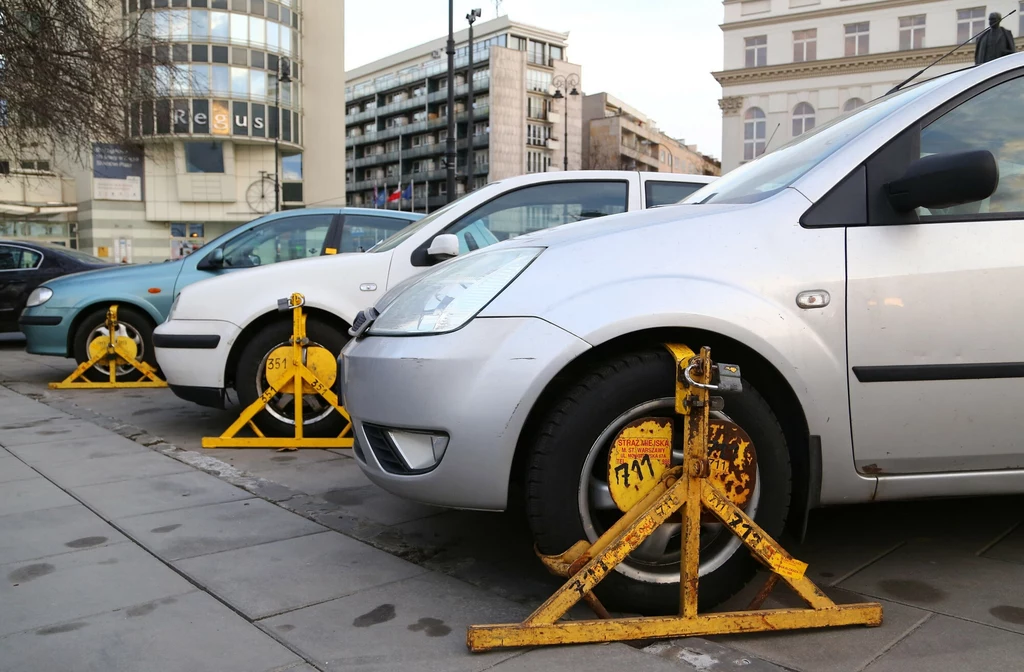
(115, 273)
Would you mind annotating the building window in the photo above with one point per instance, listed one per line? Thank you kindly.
(857, 38)
(537, 162)
(1020, 13)
(204, 157)
(535, 53)
(756, 51)
(537, 134)
(537, 80)
(805, 45)
(556, 53)
(969, 22)
(852, 104)
(803, 118)
(911, 32)
(535, 108)
(754, 126)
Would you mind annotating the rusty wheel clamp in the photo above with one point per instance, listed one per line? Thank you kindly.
(116, 351)
(691, 490)
(296, 369)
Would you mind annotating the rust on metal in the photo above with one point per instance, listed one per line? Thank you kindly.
(763, 594)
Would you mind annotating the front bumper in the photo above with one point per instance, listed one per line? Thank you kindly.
(46, 330)
(477, 385)
(194, 354)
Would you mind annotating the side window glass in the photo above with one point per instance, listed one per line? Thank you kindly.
(665, 193)
(536, 208)
(361, 232)
(279, 240)
(989, 120)
(18, 258)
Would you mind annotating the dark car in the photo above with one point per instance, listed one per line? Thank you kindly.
(24, 266)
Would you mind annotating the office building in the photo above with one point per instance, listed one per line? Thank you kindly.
(793, 64)
(397, 115)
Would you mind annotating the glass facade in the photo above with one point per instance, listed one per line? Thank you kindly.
(226, 75)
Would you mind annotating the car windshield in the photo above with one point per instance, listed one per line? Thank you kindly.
(400, 237)
(776, 170)
(79, 255)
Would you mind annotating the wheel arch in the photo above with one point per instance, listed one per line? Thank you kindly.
(756, 368)
(272, 317)
(97, 306)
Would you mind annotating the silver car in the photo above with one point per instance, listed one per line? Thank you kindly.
(868, 277)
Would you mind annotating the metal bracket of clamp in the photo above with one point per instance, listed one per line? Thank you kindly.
(116, 351)
(294, 372)
(688, 489)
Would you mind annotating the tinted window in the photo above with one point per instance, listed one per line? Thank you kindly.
(18, 258)
(538, 207)
(989, 120)
(204, 157)
(278, 240)
(666, 193)
(361, 232)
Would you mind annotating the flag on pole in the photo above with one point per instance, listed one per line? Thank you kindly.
(375, 196)
(407, 192)
(378, 201)
(396, 194)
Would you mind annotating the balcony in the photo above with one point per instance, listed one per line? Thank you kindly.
(32, 192)
(418, 102)
(387, 83)
(480, 113)
(638, 153)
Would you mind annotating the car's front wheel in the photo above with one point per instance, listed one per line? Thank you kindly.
(319, 419)
(132, 324)
(569, 499)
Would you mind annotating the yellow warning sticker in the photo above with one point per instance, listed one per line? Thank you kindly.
(638, 457)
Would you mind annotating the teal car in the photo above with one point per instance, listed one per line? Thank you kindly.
(64, 315)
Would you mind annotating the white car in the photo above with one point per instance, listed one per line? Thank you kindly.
(220, 332)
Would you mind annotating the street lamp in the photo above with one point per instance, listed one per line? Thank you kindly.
(473, 15)
(449, 153)
(284, 76)
(560, 82)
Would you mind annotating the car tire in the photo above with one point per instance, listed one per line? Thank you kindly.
(249, 377)
(567, 435)
(135, 324)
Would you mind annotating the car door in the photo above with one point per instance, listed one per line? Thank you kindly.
(530, 208)
(20, 273)
(936, 304)
(282, 239)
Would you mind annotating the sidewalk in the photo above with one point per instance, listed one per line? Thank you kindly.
(115, 557)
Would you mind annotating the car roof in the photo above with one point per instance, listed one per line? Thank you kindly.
(382, 212)
(587, 175)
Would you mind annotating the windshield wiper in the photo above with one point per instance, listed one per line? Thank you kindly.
(936, 61)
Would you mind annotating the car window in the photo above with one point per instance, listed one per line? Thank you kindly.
(537, 207)
(81, 256)
(282, 239)
(361, 232)
(666, 193)
(989, 120)
(18, 258)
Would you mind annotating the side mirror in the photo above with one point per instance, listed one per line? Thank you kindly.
(944, 180)
(444, 246)
(212, 261)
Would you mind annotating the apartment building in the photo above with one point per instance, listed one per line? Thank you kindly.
(397, 115)
(617, 136)
(793, 64)
(250, 82)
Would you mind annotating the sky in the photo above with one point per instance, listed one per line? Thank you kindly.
(656, 55)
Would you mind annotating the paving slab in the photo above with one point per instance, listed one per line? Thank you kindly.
(200, 530)
(31, 494)
(707, 656)
(57, 429)
(159, 493)
(59, 450)
(37, 534)
(418, 624)
(94, 470)
(25, 414)
(830, 649)
(944, 644)
(284, 575)
(947, 582)
(13, 469)
(590, 658)
(1009, 549)
(67, 587)
(181, 633)
(260, 459)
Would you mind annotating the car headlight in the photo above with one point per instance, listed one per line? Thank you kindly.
(449, 297)
(39, 296)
